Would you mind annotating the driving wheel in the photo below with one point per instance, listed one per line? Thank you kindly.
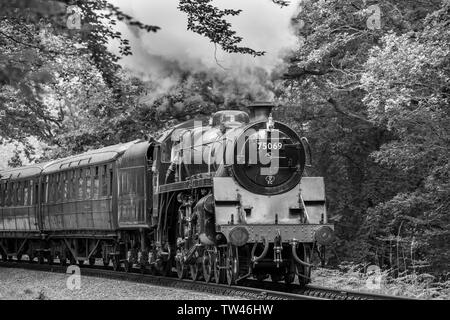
(207, 265)
(232, 265)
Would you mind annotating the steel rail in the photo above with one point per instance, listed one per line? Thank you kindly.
(250, 289)
(321, 292)
(172, 282)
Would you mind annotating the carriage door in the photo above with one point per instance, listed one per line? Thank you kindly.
(133, 180)
(149, 184)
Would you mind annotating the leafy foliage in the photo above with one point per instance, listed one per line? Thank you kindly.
(375, 103)
(27, 19)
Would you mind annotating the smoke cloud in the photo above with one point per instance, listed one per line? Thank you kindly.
(263, 25)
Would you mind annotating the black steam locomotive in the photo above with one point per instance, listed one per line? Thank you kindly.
(221, 202)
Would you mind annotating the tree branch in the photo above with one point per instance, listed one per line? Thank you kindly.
(28, 44)
(296, 72)
(347, 113)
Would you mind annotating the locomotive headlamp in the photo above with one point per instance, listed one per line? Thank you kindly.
(238, 236)
(324, 235)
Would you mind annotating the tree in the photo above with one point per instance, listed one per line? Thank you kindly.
(374, 98)
(413, 101)
(44, 62)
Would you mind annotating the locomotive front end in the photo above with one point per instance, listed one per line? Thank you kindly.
(273, 217)
(244, 205)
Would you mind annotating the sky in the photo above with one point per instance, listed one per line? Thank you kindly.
(263, 25)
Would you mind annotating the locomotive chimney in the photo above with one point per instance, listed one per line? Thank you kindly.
(260, 111)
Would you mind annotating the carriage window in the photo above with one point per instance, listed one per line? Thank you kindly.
(54, 187)
(59, 186)
(104, 180)
(13, 193)
(22, 193)
(88, 183)
(16, 193)
(46, 190)
(96, 184)
(50, 188)
(80, 184)
(65, 189)
(19, 194)
(47, 184)
(31, 193)
(42, 190)
(25, 194)
(69, 184)
(2, 194)
(76, 184)
(7, 194)
(73, 186)
(15, 197)
(124, 183)
(110, 187)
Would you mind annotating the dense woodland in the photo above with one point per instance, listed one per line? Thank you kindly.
(372, 98)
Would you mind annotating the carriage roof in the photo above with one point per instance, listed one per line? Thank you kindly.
(92, 157)
(22, 172)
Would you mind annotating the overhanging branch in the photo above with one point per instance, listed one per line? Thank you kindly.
(347, 113)
(296, 73)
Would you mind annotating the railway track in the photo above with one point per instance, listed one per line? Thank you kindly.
(250, 289)
(322, 292)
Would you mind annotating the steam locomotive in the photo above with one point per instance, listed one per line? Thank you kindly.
(221, 202)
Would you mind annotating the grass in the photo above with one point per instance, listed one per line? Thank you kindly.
(356, 277)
